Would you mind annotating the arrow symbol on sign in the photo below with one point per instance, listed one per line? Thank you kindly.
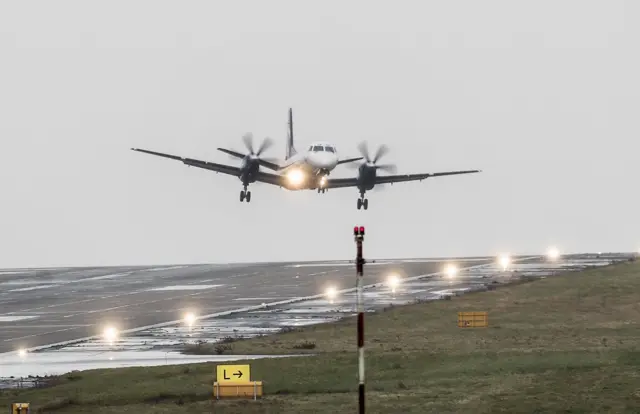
(238, 374)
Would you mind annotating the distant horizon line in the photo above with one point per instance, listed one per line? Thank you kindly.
(307, 261)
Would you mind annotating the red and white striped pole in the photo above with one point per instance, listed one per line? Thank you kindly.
(358, 233)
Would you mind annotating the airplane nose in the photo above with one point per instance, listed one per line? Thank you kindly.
(328, 161)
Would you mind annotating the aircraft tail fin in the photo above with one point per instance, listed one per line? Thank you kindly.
(291, 150)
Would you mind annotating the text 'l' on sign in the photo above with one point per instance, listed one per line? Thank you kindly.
(233, 373)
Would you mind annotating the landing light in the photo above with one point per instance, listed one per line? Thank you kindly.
(505, 261)
(323, 181)
(295, 177)
(22, 353)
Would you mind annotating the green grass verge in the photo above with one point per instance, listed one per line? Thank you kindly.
(569, 343)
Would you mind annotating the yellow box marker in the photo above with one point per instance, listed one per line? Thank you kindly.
(237, 389)
(473, 320)
(20, 408)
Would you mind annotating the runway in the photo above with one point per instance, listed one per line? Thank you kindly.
(42, 307)
(51, 306)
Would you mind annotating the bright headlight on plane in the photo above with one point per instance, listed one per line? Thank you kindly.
(553, 253)
(190, 319)
(451, 270)
(323, 181)
(110, 334)
(505, 261)
(22, 353)
(295, 177)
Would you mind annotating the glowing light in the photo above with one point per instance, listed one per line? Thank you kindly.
(22, 353)
(331, 293)
(451, 271)
(393, 282)
(190, 319)
(110, 334)
(505, 261)
(295, 177)
(553, 253)
(323, 181)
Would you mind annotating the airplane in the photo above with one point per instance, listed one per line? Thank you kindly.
(308, 170)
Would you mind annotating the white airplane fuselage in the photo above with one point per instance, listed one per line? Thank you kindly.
(307, 168)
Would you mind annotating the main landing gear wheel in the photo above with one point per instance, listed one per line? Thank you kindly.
(245, 196)
(363, 202)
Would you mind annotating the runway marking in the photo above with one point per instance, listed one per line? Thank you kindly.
(32, 288)
(184, 287)
(50, 326)
(38, 334)
(15, 318)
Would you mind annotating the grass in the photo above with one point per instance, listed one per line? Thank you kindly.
(569, 344)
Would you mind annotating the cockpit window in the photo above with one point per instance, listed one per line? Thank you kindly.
(329, 149)
(318, 148)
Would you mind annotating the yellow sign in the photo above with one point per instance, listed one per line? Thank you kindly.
(239, 389)
(473, 320)
(20, 408)
(233, 373)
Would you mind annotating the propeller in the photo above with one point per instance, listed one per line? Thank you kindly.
(363, 147)
(266, 143)
(248, 142)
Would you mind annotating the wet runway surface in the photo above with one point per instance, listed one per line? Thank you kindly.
(39, 308)
(50, 306)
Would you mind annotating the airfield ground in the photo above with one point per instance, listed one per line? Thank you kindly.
(569, 343)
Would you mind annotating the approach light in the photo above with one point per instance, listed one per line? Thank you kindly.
(505, 261)
(110, 334)
(295, 177)
(331, 293)
(451, 271)
(190, 319)
(553, 253)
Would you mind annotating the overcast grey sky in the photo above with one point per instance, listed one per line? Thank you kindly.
(543, 96)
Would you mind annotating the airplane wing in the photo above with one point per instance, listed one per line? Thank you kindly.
(348, 160)
(390, 179)
(266, 164)
(219, 168)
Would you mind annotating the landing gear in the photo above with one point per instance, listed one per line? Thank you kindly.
(363, 203)
(245, 195)
(321, 190)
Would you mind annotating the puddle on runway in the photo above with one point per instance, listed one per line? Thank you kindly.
(58, 363)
